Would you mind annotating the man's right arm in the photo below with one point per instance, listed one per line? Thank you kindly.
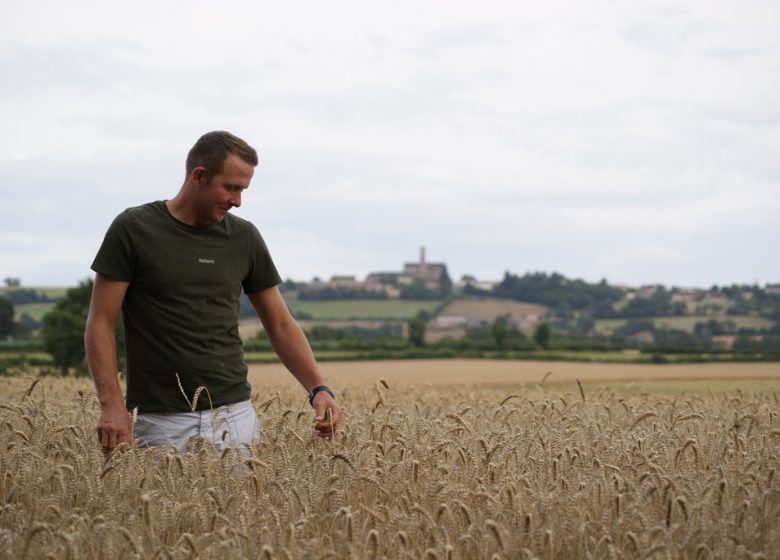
(114, 426)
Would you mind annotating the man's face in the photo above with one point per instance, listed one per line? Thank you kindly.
(223, 192)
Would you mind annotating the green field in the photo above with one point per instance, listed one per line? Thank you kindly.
(34, 310)
(54, 293)
(13, 359)
(687, 322)
(362, 308)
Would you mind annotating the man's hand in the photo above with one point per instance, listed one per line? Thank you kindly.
(327, 414)
(114, 428)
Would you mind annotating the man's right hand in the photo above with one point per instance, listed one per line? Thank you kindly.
(114, 428)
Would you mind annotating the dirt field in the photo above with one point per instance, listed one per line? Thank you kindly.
(509, 372)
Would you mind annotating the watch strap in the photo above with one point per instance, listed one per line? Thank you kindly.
(319, 389)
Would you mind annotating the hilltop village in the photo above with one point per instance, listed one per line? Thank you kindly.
(645, 315)
(417, 280)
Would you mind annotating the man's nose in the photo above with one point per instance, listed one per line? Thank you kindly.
(235, 200)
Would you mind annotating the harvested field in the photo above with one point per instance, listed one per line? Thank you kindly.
(518, 372)
(487, 309)
(487, 468)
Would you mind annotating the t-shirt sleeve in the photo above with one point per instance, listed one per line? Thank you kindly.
(116, 257)
(262, 271)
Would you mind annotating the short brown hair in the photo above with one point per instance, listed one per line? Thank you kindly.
(211, 150)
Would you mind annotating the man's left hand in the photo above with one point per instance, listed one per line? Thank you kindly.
(327, 414)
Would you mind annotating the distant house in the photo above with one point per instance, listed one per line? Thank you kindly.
(343, 282)
(646, 292)
(685, 295)
(643, 337)
(386, 282)
(449, 321)
(471, 282)
(382, 279)
(716, 300)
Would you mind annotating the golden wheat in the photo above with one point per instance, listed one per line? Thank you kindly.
(423, 472)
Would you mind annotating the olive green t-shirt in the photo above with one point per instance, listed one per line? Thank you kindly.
(181, 308)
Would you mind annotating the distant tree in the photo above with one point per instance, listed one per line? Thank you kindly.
(757, 344)
(472, 290)
(245, 308)
(6, 317)
(416, 331)
(714, 327)
(22, 296)
(418, 290)
(289, 285)
(633, 326)
(12, 282)
(63, 328)
(672, 340)
(26, 325)
(63, 337)
(560, 293)
(479, 332)
(585, 323)
(499, 330)
(679, 308)
(658, 304)
(542, 335)
(445, 284)
(424, 315)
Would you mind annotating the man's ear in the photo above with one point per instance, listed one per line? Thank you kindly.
(198, 175)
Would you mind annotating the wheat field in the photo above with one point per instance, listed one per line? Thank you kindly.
(436, 472)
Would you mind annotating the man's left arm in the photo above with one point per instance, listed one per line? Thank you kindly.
(293, 349)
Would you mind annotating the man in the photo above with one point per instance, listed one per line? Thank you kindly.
(176, 269)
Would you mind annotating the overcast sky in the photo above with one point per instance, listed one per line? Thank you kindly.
(633, 141)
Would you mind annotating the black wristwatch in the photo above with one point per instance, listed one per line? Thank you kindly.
(318, 389)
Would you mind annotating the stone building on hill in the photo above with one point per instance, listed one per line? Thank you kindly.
(420, 277)
(433, 275)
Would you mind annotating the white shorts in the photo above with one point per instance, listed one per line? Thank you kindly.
(234, 425)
